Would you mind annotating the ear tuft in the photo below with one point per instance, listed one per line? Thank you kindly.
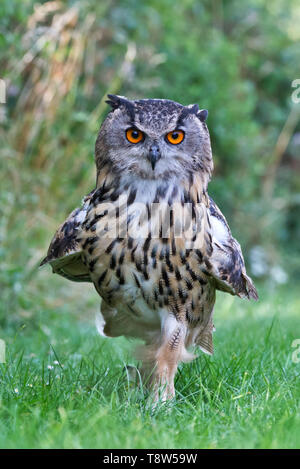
(194, 108)
(114, 101)
(202, 115)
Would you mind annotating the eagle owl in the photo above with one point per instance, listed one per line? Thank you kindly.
(149, 237)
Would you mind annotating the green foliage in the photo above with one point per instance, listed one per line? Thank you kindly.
(236, 59)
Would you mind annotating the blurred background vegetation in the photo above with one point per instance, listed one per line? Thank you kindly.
(60, 59)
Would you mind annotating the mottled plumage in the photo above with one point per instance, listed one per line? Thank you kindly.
(149, 237)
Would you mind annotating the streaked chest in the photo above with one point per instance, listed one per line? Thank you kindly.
(150, 249)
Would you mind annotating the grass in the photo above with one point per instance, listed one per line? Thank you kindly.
(63, 386)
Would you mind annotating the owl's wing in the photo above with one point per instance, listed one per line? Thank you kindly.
(64, 253)
(226, 263)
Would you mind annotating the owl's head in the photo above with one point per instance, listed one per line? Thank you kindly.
(154, 139)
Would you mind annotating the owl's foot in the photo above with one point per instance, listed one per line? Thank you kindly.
(160, 362)
(133, 376)
(164, 374)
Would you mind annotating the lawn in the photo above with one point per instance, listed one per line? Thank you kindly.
(64, 386)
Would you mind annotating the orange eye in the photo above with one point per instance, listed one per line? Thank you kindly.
(175, 137)
(134, 135)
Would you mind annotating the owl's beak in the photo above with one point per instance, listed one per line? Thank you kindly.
(154, 155)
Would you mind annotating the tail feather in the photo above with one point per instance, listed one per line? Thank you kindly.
(250, 288)
(205, 342)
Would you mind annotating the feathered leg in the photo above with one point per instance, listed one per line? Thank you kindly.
(160, 361)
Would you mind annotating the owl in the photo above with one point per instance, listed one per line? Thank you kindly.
(150, 238)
